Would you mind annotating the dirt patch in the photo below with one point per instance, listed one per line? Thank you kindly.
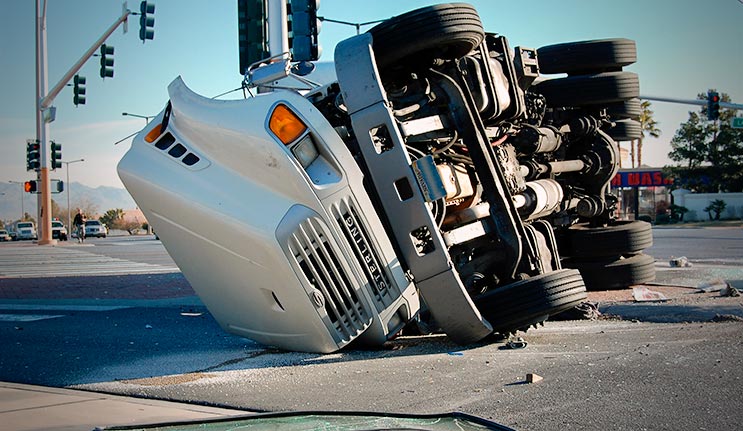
(169, 380)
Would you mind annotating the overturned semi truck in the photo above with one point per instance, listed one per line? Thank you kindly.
(441, 180)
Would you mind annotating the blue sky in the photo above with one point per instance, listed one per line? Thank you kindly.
(684, 48)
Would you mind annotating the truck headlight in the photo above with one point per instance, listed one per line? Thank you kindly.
(305, 151)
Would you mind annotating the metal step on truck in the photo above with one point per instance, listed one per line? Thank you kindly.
(440, 182)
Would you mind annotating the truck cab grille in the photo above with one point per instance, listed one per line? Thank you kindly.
(318, 260)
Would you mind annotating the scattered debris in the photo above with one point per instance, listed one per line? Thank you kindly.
(679, 262)
(147, 326)
(714, 285)
(729, 291)
(583, 311)
(533, 378)
(726, 318)
(516, 343)
(643, 294)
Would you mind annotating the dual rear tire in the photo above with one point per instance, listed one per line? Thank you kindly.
(609, 257)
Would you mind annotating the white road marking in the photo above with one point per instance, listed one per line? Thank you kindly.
(27, 317)
(19, 262)
(60, 307)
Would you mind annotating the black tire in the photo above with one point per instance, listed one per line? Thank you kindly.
(584, 90)
(519, 305)
(621, 237)
(590, 56)
(446, 31)
(614, 273)
(625, 130)
(629, 109)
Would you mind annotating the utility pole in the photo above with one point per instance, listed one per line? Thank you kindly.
(45, 112)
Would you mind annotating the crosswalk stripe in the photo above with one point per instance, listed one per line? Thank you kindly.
(63, 261)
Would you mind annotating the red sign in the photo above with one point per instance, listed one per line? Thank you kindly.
(640, 179)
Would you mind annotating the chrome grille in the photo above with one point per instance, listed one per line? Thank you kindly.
(358, 238)
(318, 261)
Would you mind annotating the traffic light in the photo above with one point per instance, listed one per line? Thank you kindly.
(252, 32)
(56, 155)
(146, 21)
(713, 105)
(107, 61)
(30, 186)
(33, 155)
(303, 42)
(79, 90)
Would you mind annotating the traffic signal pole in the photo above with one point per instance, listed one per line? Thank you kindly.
(44, 220)
(278, 41)
(45, 112)
(698, 102)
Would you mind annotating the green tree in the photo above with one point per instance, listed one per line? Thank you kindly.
(717, 206)
(708, 155)
(113, 218)
(648, 126)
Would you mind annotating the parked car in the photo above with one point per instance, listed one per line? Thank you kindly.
(94, 228)
(440, 164)
(59, 231)
(24, 230)
(4, 235)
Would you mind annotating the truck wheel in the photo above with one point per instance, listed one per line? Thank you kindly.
(625, 130)
(446, 31)
(621, 237)
(524, 303)
(584, 90)
(590, 56)
(614, 273)
(629, 109)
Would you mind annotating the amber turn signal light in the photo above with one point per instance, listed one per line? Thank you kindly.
(285, 124)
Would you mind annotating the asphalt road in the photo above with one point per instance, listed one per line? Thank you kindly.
(148, 336)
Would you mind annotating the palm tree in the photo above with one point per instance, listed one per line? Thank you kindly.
(647, 124)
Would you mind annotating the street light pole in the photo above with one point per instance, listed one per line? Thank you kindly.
(69, 221)
(23, 212)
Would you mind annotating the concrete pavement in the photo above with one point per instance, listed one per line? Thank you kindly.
(31, 408)
(25, 407)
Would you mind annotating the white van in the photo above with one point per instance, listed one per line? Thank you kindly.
(24, 230)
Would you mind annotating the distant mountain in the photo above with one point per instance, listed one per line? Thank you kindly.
(99, 199)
